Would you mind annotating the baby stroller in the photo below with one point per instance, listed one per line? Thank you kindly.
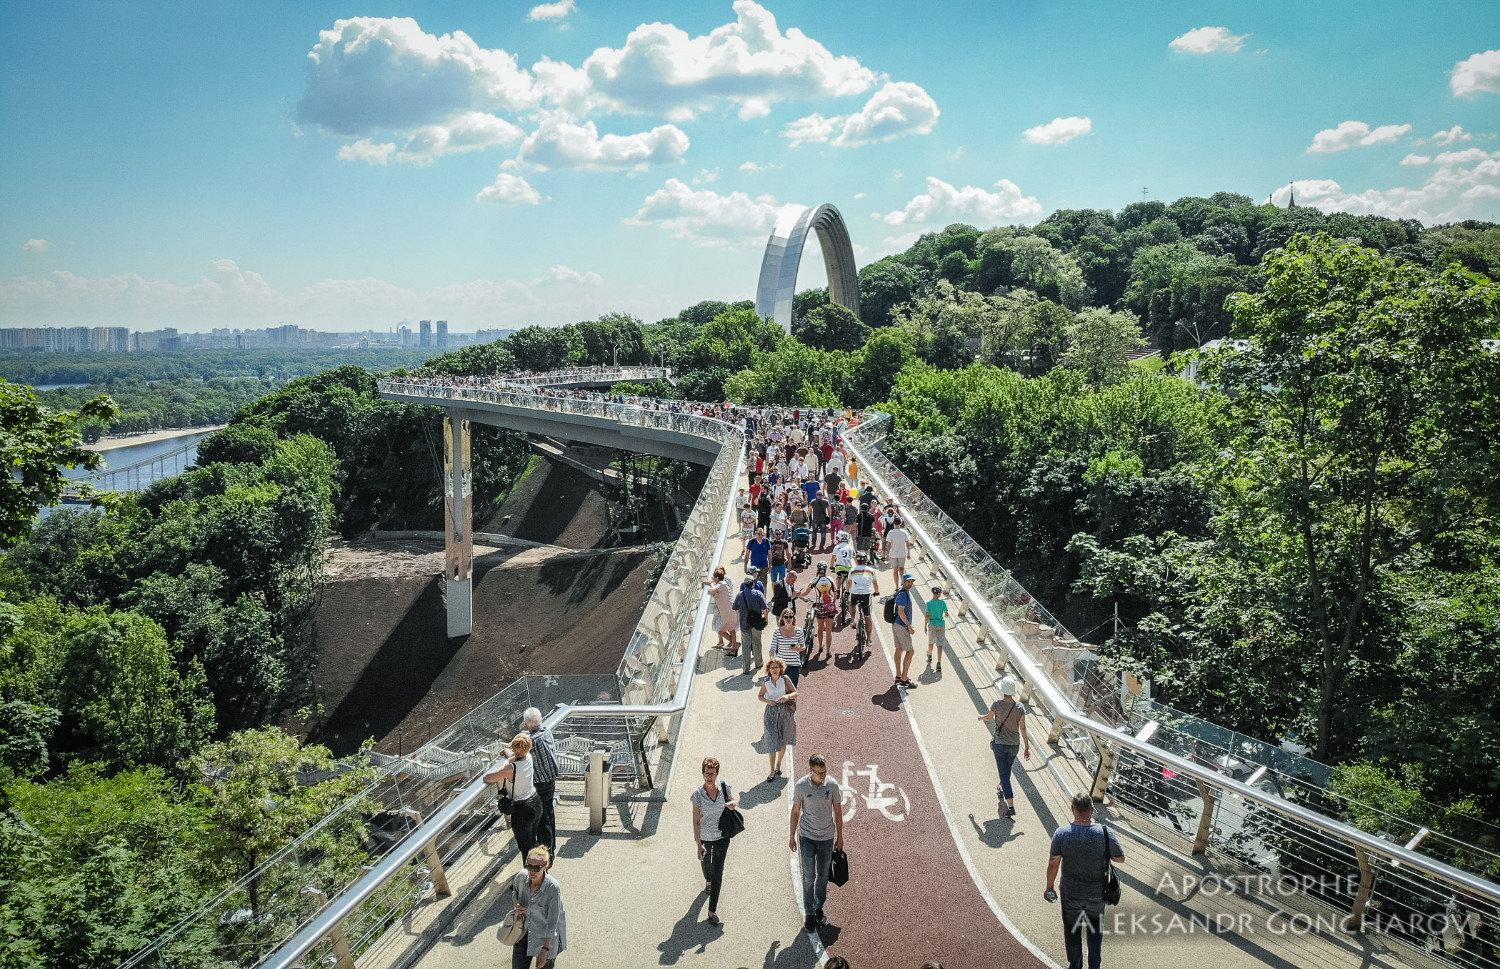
(801, 548)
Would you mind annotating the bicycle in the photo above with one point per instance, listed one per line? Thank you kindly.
(861, 633)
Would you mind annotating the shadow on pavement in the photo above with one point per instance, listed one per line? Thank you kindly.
(689, 932)
(995, 832)
(889, 700)
(798, 955)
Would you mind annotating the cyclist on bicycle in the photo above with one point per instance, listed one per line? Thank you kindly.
(843, 560)
(864, 584)
(822, 593)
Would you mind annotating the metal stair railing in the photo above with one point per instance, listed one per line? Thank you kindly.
(1326, 864)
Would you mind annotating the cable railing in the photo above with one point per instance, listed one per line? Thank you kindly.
(1276, 820)
(1295, 845)
(654, 679)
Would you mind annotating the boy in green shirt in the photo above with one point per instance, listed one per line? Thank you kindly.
(937, 627)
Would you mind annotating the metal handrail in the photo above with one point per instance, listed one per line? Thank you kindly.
(333, 914)
(1063, 709)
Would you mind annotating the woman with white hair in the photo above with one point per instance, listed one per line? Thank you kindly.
(1009, 717)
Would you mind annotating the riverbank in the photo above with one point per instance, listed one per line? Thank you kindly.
(111, 441)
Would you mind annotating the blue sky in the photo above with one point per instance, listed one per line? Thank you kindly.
(502, 163)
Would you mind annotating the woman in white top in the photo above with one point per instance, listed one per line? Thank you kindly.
(526, 806)
(728, 623)
(710, 801)
(787, 645)
(780, 722)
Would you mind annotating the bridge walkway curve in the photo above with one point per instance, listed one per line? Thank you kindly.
(632, 891)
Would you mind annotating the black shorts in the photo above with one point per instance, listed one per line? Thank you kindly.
(861, 602)
(864, 543)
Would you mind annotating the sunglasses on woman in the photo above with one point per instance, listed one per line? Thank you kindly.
(535, 868)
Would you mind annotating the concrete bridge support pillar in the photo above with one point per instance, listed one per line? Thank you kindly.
(458, 514)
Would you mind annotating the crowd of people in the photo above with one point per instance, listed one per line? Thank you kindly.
(803, 497)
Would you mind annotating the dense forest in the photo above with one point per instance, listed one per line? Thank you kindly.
(1301, 540)
(37, 367)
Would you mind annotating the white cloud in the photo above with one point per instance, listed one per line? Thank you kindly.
(473, 131)
(509, 190)
(1452, 135)
(1059, 131)
(706, 176)
(570, 276)
(858, 196)
(551, 11)
(749, 63)
(752, 108)
(1349, 134)
(1415, 159)
(560, 143)
(374, 74)
(811, 129)
(899, 108)
(1478, 72)
(755, 168)
(367, 151)
(1208, 40)
(35, 245)
(1458, 177)
(1005, 205)
(229, 295)
(708, 217)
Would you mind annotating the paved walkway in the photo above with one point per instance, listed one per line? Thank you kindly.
(936, 873)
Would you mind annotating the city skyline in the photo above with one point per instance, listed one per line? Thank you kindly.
(499, 165)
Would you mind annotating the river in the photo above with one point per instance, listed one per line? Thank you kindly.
(129, 454)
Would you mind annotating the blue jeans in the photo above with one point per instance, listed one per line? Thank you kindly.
(1091, 924)
(816, 857)
(778, 572)
(1005, 759)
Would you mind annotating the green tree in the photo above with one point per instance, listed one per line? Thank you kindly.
(256, 798)
(831, 327)
(1365, 424)
(884, 285)
(94, 868)
(1098, 342)
(36, 444)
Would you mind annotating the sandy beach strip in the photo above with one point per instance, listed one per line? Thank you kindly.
(112, 441)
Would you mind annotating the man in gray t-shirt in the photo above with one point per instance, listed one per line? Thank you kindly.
(1079, 850)
(817, 829)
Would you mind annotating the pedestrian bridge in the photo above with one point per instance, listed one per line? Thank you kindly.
(1237, 852)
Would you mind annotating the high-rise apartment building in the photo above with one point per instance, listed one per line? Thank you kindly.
(442, 334)
(426, 334)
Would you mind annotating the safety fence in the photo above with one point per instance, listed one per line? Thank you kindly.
(331, 914)
(1266, 819)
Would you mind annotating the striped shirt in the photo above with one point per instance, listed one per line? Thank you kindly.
(786, 646)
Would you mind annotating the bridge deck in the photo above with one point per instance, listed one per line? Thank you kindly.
(936, 875)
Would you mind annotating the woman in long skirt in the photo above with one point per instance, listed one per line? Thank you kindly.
(780, 698)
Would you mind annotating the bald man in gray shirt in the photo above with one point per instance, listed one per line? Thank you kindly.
(1081, 850)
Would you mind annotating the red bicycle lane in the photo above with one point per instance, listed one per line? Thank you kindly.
(910, 897)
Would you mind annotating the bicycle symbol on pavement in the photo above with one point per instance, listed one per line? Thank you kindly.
(878, 794)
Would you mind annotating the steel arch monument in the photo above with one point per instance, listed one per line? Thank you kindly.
(778, 269)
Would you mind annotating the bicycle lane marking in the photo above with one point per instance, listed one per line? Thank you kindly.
(902, 903)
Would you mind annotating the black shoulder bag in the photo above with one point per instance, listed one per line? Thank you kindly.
(731, 822)
(1111, 880)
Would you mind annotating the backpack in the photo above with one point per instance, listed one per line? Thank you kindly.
(890, 609)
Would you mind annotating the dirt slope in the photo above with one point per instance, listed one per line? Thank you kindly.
(388, 670)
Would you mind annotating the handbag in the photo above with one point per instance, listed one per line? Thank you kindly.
(513, 928)
(731, 822)
(505, 802)
(838, 867)
(1111, 880)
